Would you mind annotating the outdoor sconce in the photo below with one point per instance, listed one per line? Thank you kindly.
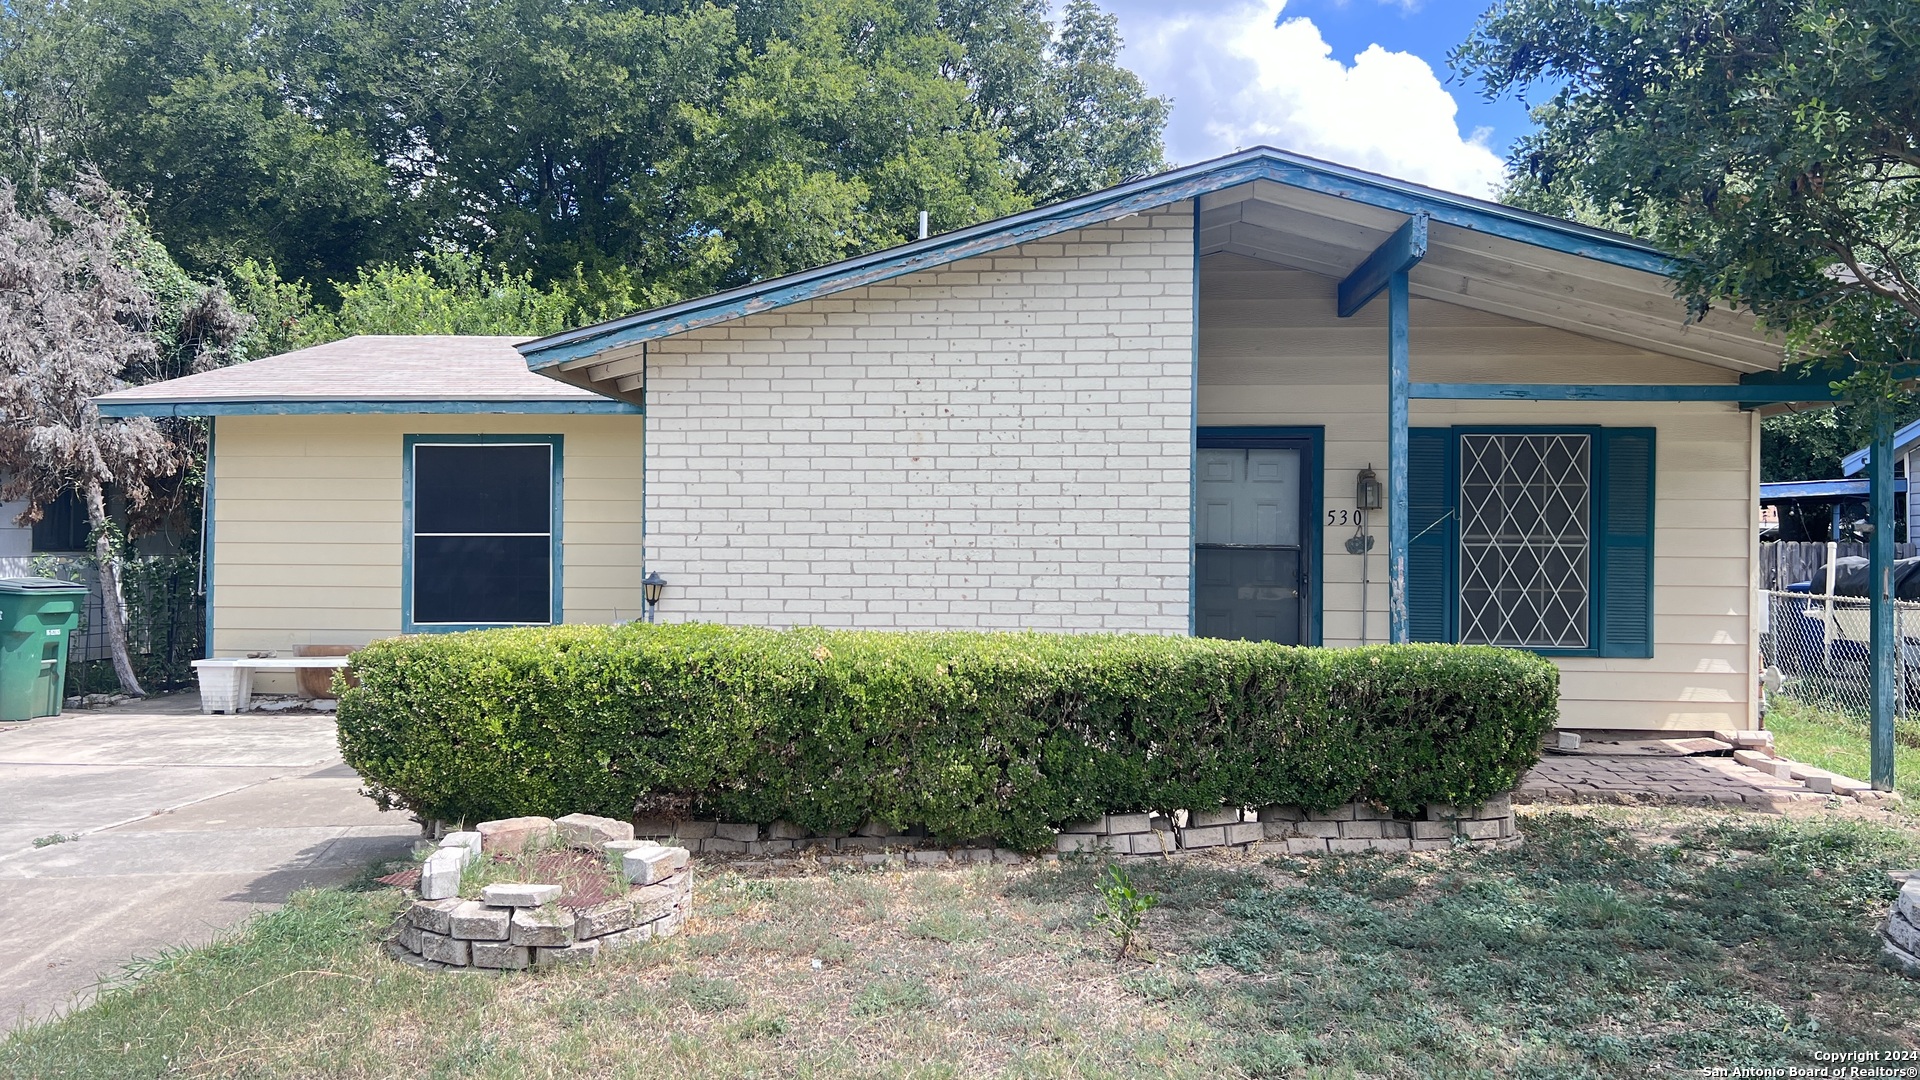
(1366, 490)
(651, 587)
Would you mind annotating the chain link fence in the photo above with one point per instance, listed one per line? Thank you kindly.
(1820, 644)
(166, 620)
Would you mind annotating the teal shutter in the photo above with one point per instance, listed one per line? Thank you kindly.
(1623, 547)
(1430, 525)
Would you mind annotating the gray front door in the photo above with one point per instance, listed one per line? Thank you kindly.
(1247, 547)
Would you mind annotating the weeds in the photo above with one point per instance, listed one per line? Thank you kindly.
(1125, 908)
(1612, 944)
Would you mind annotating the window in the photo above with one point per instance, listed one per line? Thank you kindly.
(1532, 538)
(63, 525)
(1525, 505)
(483, 531)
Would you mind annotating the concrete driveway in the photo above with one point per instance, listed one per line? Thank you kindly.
(185, 825)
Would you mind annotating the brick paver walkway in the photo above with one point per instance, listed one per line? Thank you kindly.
(1630, 773)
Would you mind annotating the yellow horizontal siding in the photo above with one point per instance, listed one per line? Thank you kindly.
(1274, 353)
(307, 522)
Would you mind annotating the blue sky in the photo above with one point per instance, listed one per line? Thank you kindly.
(1364, 82)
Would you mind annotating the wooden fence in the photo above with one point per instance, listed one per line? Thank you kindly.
(1782, 563)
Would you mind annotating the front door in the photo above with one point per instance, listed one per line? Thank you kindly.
(1250, 555)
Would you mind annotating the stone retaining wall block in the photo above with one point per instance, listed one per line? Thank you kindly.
(511, 836)
(500, 955)
(1902, 932)
(541, 926)
(587, 830)
(737, 831)
(603, 919)
(444, 950)
(580, 952)
(644, 866)
(1246, 832)
(440, 874)
(1201, 819)
(514, 894)
(1203, 837)
(435, 916)
(469, 841)
(475, 921)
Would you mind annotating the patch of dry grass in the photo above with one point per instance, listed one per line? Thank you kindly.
(1613, 943)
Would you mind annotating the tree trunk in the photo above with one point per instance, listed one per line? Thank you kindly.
(108, 566)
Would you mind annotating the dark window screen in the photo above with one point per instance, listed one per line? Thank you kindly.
(482, 489)
(482, 534)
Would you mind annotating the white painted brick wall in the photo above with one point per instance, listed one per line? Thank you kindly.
(1003, 442)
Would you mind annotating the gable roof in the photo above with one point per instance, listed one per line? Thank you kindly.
(368, 373)
(1261, 164)
(1904, 441)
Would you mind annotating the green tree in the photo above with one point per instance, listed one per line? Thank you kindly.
(675, 146)
(444, 293)
(175, 102)
(1774, 144)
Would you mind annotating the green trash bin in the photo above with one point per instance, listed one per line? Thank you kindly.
(37, 616)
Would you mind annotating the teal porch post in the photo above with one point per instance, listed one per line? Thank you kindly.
(1399, 378)
(1882, 640)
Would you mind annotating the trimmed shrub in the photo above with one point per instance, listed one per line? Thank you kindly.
(972, 735)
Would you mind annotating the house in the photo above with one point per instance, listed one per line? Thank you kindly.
(1189, 404)
(1906, 446)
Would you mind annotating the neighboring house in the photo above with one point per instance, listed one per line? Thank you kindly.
(1906, 447)
(1149, 409)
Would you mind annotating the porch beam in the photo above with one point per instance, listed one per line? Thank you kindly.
(1396, 255)
(1881, 640)
(1399, 376)
(1742, 393)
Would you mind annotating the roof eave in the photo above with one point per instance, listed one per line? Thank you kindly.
(352, 406)
(545, 354)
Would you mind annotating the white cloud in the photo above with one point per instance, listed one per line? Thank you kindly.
(1241, 75)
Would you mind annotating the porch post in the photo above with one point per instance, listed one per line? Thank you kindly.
(1882, 640)
(1399, 379)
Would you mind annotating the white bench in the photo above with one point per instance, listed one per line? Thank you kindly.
(226, 683)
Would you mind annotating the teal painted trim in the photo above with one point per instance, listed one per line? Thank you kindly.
(353, 408)
(1596, 499)
(206, 542)
(1728, 392)
(1313, 440)
(1260, 163)
(1882, 640)
(1193, 448)
(646, 429)
(556, 511)
(1399, 377)
(1398, 254)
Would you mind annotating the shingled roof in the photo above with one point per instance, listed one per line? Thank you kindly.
(368, 373)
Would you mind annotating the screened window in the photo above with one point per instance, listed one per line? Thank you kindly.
(483, 546)
(1526, 539)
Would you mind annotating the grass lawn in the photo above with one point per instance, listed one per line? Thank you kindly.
(1613, 943)
(1838, 741)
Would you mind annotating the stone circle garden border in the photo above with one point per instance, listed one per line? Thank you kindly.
(516, 925)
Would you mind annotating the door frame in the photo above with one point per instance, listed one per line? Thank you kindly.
(1311, 442)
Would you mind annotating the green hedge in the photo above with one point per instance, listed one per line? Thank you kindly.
(969, 734)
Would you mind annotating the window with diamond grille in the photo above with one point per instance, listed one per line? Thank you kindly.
(1526, 508)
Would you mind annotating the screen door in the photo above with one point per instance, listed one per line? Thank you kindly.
(1248, 556)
